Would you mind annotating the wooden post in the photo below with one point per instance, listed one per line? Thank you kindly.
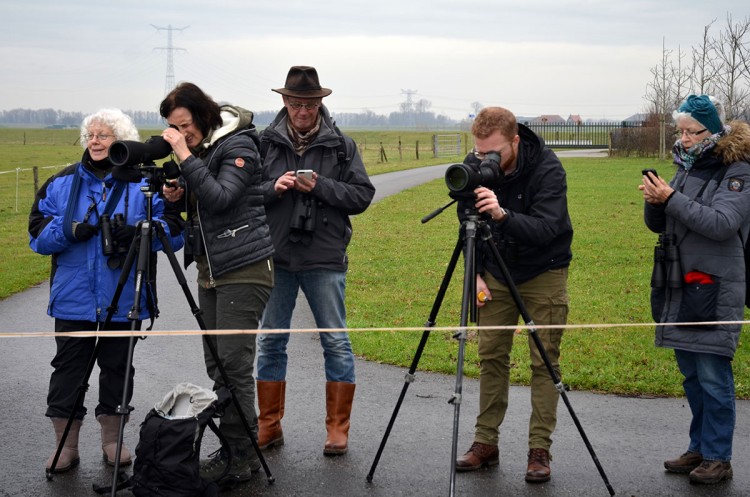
(383, 157)
(400, 151)
(36, 178)
(417, 149)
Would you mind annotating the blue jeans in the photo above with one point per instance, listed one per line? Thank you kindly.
(325, 292)
(709, 387)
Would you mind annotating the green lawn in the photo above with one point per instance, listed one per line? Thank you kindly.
(397, 264)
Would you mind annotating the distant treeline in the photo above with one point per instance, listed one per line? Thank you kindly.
(146, 119)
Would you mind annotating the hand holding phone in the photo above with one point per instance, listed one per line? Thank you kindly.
(649, 170)
(305, 173)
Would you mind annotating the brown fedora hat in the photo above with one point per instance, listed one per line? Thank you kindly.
(302, 82)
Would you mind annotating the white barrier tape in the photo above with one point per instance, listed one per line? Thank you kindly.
(140, 333)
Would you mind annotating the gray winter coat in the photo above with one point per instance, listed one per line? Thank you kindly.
(339, 192)
(708, 229)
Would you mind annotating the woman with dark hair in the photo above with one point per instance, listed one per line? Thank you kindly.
(229, 240)
(703, 218)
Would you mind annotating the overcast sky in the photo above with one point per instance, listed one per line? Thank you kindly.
(587, 57)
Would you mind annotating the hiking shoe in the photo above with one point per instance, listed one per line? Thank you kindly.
(710, 472)
(479, 455)
(685, 463)
(242, 467)
(538, 470)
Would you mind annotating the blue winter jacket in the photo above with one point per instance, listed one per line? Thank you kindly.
(81, 284)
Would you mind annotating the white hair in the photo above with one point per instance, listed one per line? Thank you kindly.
(122, 125)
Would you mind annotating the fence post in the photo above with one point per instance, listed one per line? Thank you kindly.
(383, 157)
(417, 149)
(434, 146)
(36, 179)
(400, 151)
(18, 176)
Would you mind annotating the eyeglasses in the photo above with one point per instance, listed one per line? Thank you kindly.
(298, 105)
(101, 137)
(483, 155)
(681, 132)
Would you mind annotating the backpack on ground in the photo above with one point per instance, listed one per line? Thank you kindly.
(167, 457)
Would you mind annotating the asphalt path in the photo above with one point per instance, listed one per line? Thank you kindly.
(629, 436)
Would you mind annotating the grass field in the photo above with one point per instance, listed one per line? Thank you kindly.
(397, 264)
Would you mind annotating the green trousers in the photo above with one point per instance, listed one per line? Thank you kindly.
(546, 300)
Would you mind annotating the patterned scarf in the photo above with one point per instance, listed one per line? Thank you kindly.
(299, 140)
(687, 157)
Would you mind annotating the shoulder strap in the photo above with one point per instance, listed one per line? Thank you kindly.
(75, 189)
(344, 159)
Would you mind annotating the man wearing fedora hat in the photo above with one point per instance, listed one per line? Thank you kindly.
(308, 214)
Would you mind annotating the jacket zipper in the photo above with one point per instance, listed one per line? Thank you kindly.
(211, 280)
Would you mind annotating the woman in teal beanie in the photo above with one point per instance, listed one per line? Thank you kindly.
(703, 218)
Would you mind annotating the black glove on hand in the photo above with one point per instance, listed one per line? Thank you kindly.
(124, 235)
(84, 231)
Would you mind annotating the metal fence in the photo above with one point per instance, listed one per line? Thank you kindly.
(18, 187)
(446, 145)
(579, 135)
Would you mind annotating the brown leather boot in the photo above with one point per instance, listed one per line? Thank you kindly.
(69, 454)
(339, 398)
(538, 470)
(271, 395)
(110, 431)
(478, 456)
(711, 472)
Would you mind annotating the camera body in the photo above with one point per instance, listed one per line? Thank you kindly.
(462, 179)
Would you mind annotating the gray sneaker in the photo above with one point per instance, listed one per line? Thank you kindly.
(243, 465)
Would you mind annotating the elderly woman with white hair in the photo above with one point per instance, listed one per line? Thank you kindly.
(703, 218)
(65, 223)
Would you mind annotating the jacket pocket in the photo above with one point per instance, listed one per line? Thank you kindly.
(698, 303)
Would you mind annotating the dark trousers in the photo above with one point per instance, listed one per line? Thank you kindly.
(70, 361)
(234, 307)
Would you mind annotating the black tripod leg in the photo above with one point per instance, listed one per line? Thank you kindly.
(537, 341)
(468, 310)
(143, 241)
(420, 348)
(199, 318)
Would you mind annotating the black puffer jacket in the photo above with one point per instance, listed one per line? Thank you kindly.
(223, 183)
(338, 193)
(537, 234)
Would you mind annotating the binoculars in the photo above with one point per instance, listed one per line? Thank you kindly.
(667, 271)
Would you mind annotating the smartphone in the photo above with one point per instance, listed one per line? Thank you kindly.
(649, 170)
(305, 173)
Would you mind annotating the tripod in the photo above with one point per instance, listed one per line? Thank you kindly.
(470, 227)
(140, 251)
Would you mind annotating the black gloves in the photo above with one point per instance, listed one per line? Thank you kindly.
(84, 231)
(124, 235)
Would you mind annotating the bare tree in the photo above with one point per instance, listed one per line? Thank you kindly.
(701, 75)
(730, 66)
(679, 80)
(660, 94)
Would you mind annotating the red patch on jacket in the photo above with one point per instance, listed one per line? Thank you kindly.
(239, 162)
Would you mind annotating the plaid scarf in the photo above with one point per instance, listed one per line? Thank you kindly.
(302, 141)
(687, 157)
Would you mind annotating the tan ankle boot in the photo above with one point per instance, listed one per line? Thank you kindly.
(69, 455)
(271, 395)
(110, 431)
(339, 397)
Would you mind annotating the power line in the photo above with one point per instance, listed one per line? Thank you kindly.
(169, 83)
